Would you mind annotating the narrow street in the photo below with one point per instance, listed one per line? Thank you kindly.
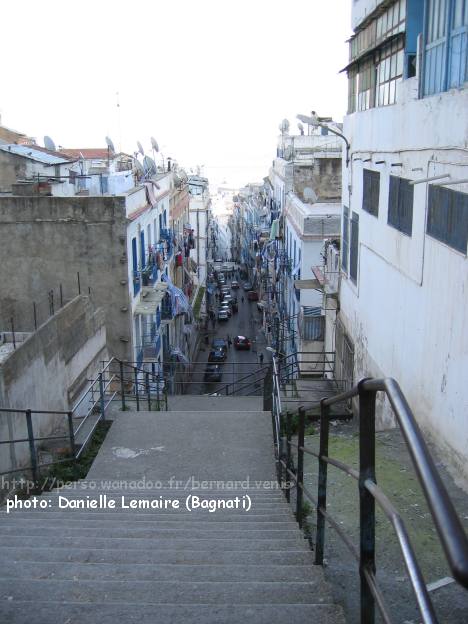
(239, 365)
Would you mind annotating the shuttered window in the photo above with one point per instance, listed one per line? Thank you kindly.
(370, 191)
(400, 205)
(447, 217)
(345, 245)
(354, 251)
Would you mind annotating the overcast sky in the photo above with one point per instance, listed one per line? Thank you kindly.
(209, 79)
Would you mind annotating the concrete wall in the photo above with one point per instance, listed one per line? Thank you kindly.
(46, 241)
(407, 314)
(47, 372)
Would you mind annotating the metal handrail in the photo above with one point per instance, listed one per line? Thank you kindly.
(451, 533)
(448, 525)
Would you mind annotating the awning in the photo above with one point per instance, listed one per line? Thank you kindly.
(307, 284)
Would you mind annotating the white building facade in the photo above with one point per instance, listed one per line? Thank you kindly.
(405, 210)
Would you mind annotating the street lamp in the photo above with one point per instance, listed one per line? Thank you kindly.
(313, 120)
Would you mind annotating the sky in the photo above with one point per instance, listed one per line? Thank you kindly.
(210, 79)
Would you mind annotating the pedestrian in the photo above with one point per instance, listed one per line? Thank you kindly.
(242, 298)
(260, 357)
(229, 341)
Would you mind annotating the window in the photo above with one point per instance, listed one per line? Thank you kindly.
(447, 217)
(400, 205)
(345, 245)
(353, 256)
(445, 45)
(370, 191)
(389, 72)
(366, 85)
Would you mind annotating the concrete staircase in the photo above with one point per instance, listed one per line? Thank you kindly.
(69, 566)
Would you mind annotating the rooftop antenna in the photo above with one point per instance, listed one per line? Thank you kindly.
(118, 120)
(110, 148)
(49, 144)
(140, 148)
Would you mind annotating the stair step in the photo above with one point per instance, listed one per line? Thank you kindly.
(282, 519)
(162, 543)
(23, 570)
(124, 554)
(76, 613)
(153, 531)
(167, 592)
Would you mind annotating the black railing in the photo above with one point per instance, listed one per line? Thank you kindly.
(143, 389)
(449, 528)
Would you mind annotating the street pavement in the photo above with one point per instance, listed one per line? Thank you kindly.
(239, 364)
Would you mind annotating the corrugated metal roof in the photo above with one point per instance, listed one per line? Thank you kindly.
(33, 152)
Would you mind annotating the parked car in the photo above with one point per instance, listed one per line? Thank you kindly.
(220, 343)
(221, 277)
(227, 308)
(227, 299)
(213, 373)
(242, 343)
(252, 295)
(217, 355)
(223, 315)
(234, 284)
(247, 286)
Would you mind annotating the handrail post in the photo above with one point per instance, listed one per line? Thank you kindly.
(300, 465)
(322, 482)
(71, 433)
(288, 454)
(122, 385)
(32, 446)
(157, 391)
(148, 390)
(366, 500)
(101, 397)
(137, 396)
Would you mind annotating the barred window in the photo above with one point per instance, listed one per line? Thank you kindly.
(370, 191)
(447, 217)
(400, 205)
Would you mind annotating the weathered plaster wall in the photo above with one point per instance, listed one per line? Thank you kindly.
(47, 241)
(47, 372)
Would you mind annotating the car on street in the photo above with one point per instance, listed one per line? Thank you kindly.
(242, 343)
(247, 286)
(234, 306)
(227, 299)
(217, 355)
(220, 343)
(213, 373)
(223, 315)
(252, 295)
(234, 284)
(227, 308)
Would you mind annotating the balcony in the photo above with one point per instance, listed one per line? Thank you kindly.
(167, 237)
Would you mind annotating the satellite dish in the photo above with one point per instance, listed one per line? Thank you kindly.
(110, 145)
(310, 121)
(149, 165)
(301, 128)
(139, 166)
(284, 126)
(49, 144)
(140, 148)
(154, 144)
